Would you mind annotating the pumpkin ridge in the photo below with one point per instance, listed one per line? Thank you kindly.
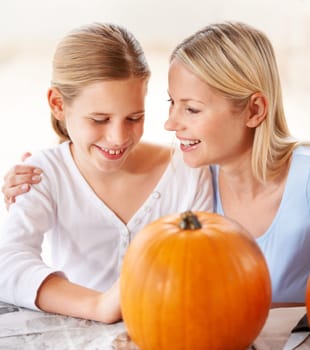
(135, 317)
(157, 246)
(174, 245)
(186, 291)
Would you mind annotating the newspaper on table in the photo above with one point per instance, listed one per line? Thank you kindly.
(22, 328)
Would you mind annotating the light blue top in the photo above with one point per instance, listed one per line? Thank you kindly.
(286, 243)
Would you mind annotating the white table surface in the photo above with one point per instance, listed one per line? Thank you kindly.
(32, 330)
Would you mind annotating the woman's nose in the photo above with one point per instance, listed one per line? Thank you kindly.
(169, 124)
(173, 121)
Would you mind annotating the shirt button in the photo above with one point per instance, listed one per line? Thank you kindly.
(138, 221)
(155, 194)
(125, 233)
(147, 209)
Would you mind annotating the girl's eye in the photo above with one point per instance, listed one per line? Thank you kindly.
(170, 101)
(99, 121)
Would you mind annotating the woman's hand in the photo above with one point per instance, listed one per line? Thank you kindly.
(19, 179)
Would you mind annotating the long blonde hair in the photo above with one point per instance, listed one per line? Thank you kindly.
(97, 52)
(238, 60)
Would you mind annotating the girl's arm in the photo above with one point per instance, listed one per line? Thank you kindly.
(58, 295)
(25, 279)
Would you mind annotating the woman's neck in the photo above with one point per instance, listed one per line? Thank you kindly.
(238, 177)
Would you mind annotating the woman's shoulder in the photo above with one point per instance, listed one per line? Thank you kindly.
(301, 156)
(299, 172)
(302, 150)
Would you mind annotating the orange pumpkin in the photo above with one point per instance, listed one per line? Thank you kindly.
(308, 299)
(195, 281)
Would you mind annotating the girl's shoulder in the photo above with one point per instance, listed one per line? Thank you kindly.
(154, 148)
(51, 156)
(152, 154)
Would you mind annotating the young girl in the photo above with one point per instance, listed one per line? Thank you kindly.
(101, 185)
(227, 109)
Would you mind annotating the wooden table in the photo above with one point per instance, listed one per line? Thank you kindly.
(31, 330)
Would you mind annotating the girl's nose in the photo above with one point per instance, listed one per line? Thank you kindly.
(118, 135)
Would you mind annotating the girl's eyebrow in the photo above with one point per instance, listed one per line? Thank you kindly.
(99, 114)
(138, 112)
(102, 114)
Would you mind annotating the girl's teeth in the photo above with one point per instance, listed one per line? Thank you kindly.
(113, 152)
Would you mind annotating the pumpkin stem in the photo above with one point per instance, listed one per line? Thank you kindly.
(189, 221)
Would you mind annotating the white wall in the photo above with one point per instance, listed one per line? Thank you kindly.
(151, 19)
(30, 29)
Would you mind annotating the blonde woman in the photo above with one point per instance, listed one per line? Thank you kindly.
(227, 112)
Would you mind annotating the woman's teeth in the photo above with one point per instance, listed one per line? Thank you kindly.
(189, 142)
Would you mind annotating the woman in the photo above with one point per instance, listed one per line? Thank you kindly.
(227, 111)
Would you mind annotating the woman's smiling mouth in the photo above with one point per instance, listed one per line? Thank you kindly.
(187, 145)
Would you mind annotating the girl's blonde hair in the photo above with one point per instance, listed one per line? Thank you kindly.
(238, 60)
(98, 52)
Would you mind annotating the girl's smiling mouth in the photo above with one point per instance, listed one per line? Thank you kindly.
(112, 153)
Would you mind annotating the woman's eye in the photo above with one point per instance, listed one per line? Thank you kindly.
(170, 101)
(192, 110)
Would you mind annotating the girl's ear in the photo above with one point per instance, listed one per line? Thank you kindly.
(258, 108)
(56, 103)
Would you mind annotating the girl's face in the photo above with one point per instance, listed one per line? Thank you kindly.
(210, 129)
(105, 122)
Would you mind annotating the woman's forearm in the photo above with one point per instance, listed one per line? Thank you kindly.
(58, 295)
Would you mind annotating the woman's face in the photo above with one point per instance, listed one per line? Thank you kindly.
(105, 122)
(210, 129)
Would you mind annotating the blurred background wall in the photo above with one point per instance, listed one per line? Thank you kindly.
(30, 30)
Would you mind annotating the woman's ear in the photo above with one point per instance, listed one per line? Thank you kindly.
(56, 103)
(258, 107)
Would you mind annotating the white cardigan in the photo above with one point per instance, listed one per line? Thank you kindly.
(87, 240)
